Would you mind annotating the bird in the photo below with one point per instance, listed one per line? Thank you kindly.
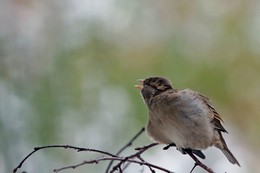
(183, 118)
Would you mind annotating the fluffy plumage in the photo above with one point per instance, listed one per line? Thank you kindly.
(183, 117)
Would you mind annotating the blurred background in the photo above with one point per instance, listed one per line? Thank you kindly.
(67, 70)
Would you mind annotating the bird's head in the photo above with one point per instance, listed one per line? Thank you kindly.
(153, 86)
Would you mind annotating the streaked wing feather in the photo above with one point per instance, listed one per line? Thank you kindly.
(216, 117)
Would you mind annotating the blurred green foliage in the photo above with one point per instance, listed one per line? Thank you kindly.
(71, 81)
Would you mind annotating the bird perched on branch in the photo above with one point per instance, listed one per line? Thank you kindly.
(183, 118)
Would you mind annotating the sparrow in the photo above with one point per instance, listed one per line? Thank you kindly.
(183, 118)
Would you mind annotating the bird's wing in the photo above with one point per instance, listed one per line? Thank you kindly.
(216, 117)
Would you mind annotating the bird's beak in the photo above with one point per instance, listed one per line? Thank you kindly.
(140, 87)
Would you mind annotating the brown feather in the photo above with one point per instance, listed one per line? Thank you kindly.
(216, 117)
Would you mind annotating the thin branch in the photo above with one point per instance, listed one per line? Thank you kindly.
(151, 169)
(135, 155)
(112, 157)
(199, 163)
(124, 147)
(121, 159)
(120, 170)
(78, 149)
(195, 165)
(146, 147)
(131, 141)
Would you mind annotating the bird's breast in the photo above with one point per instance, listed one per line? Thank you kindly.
(185, 124)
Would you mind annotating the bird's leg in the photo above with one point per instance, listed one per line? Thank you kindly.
(185, 150)
(182, 150)
(169, 146)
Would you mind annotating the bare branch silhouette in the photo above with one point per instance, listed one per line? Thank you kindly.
(190, 153)
(198, 163)
(122, 162)
(121, 159)
(78, 149)
(125, 146)
(136, 155)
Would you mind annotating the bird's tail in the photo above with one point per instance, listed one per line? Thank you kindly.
(230, 156)
(223, 147)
